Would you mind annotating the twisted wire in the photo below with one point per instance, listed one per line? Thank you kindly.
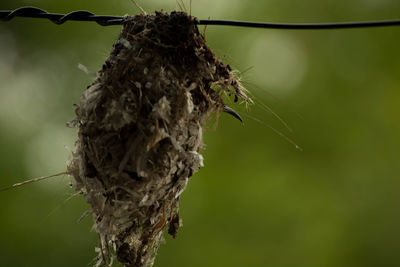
(81, 15)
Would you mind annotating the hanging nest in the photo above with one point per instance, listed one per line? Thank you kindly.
(140, 132)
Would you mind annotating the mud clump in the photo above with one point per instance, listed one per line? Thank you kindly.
(140, 132)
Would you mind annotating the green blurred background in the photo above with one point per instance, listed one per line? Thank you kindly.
(258, 201)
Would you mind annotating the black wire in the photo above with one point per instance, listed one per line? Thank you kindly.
(300, 26)
(33, 12)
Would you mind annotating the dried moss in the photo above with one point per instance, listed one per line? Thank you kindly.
(140, 132)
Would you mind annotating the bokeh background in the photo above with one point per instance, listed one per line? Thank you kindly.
(258, 201)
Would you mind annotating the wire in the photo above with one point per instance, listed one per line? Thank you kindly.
(304, 26)
(33, 12)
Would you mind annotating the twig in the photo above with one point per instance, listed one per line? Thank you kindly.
(32, 181)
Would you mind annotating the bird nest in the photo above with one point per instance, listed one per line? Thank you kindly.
(141, 132)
